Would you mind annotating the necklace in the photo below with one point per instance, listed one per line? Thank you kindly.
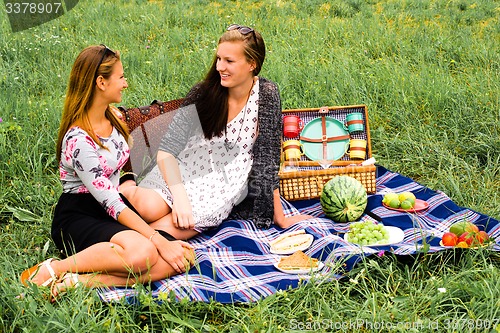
(229, 145)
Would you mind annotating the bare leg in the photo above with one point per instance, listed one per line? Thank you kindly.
(154, 210)
(150, 205)
(160, 270)
(127, 254)
(291, 220)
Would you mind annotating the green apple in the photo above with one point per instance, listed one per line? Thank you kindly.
(407, 196)
(407, 204)
(389, 197)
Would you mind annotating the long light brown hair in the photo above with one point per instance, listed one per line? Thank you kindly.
(81, 91)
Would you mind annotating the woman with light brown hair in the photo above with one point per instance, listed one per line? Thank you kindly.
(94, 227)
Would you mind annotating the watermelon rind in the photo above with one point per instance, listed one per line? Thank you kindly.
(343, 199)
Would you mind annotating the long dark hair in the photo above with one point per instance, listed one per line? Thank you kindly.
(212, 98)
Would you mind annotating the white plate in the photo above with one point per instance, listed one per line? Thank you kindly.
(294, 249)
(300, 271)
(396, 235)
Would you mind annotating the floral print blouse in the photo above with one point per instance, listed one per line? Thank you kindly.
(87, 168)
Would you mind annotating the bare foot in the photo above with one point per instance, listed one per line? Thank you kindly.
(66, 282)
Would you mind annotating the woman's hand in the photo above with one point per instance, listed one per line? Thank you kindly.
(178, 254)
(285, 222)
(182, 213)
(127, 183)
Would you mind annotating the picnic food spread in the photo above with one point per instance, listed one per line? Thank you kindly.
(404, 200)
(298, 261)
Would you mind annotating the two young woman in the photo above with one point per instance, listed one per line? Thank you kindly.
(226, 166)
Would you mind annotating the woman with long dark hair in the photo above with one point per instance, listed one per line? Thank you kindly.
(220, 155)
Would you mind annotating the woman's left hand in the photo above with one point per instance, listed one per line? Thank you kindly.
(285, 222)
(178, 254)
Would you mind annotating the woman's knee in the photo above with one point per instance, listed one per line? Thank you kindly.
(144, 256)
(160, 271)
(163, 270)
(148, 203)
(138, 252)
(129, 192)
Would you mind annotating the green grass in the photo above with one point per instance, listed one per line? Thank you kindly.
(429, 72)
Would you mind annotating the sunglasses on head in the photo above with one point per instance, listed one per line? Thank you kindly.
(243, 30)
(106, 50)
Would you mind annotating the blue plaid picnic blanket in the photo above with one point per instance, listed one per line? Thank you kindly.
(234, 262)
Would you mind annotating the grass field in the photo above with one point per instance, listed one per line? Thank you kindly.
(429, 72)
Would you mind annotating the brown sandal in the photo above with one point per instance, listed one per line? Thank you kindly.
(31, 272)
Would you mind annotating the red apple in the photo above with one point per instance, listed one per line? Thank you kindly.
(449, 239)
(467, 237)
(482, 237)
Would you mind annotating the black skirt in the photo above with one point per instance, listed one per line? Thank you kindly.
(80, 221)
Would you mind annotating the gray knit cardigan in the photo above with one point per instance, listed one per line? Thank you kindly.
(263, 180)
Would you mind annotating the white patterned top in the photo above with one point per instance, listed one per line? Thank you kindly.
(214, 172)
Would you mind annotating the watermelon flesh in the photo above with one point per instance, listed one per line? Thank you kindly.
(343, 199)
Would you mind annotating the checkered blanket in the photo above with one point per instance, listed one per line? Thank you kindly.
(234, 263)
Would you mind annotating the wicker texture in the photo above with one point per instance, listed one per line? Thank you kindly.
(308, 181)
(301, 185)
(147, 124)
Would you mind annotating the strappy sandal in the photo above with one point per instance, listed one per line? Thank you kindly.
(30, 273)
(74, 283)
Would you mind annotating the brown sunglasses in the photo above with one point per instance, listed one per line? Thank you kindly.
(243, 30)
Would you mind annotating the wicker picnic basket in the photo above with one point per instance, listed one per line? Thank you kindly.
(308, 177)
(147, 124)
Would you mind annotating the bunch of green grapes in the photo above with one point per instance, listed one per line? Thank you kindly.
(367, 233)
